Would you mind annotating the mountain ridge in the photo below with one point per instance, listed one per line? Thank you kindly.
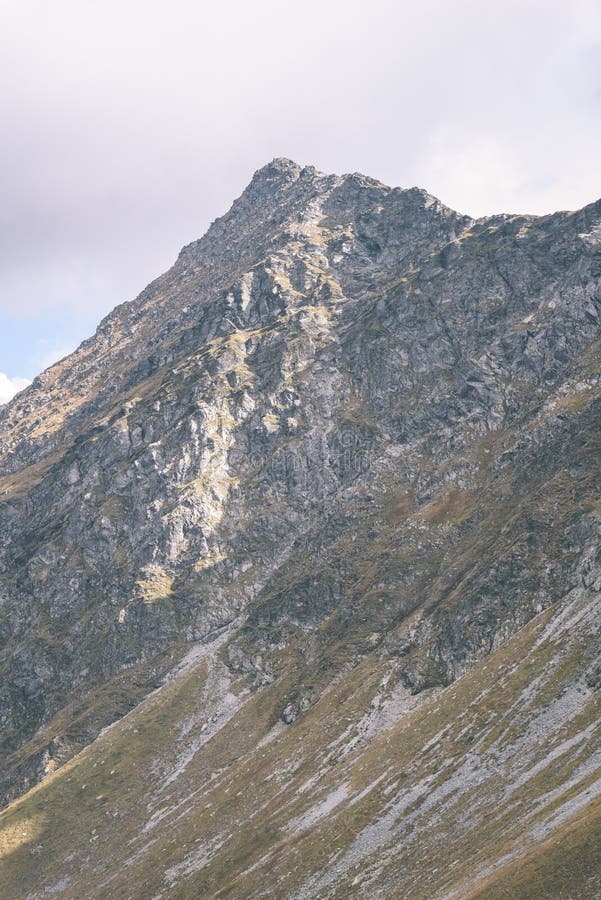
(348, 431)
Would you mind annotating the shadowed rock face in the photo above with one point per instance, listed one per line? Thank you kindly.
(349, 424)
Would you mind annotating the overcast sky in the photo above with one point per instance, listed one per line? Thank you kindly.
(128, 126)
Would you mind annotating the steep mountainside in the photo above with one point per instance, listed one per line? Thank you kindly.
(317, 518)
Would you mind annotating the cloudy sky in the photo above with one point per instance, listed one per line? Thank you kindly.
(128, 126)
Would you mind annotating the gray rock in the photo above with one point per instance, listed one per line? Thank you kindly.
(345, 410)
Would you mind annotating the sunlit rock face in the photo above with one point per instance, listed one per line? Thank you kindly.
(348, 427)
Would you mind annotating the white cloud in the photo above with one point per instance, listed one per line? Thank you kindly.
(11, 386)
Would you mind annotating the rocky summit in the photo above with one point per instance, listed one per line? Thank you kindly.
(300, 570)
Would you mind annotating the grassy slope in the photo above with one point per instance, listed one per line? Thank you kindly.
(422, 809)
(565, 866)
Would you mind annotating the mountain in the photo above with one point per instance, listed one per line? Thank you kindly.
(301, 564)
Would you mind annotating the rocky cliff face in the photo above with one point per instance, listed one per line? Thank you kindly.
(349, 428)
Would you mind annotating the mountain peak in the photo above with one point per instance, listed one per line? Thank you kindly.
(281, 164)
(279, 170)
(343, 454)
